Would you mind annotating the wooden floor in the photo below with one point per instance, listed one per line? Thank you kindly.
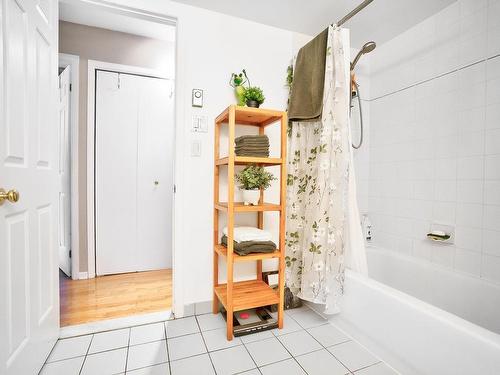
(114, 296)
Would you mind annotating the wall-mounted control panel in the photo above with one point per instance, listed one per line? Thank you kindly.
(197, 98)
(199, 124)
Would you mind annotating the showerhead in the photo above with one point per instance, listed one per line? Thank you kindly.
(367, 48)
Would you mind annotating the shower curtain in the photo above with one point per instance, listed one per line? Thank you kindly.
(323, 232)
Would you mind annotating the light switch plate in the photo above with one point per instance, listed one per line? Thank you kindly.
(199, 124)
(196, 148)
(197, 98)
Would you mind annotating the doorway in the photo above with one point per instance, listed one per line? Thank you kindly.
(133, 171)
(126, 140)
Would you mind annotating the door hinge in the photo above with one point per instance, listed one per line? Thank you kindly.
(70, 87)
(70, 253)
(175, 189)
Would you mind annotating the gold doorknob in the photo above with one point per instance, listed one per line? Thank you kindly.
(12, 196)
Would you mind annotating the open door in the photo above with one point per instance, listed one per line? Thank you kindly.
(29, 299)
(64, 173)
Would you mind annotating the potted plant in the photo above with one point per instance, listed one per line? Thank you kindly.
(252, 179)
(254, 96)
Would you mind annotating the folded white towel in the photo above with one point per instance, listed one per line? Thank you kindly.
(242, 234)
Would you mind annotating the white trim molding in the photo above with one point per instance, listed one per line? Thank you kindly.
(73, 61)
(166, 19)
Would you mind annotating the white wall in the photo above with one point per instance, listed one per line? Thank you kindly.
(362, 155)
(209, 47)
(435, 138)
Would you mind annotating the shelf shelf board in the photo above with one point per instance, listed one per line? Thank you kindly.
(240, 207)
(251, 116)
(222, 250)
(248, 294)
(244, 160)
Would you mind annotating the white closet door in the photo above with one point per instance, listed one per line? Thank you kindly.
(116, 172)
(134, 173)
(155, 174)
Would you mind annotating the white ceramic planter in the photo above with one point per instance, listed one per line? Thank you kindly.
(251, 197)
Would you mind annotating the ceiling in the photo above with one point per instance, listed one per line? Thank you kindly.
(91, 14)
(381, 21)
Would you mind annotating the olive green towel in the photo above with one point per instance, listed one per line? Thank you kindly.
(252, 145)
(247, 247)
(257, 138)
(306, 99)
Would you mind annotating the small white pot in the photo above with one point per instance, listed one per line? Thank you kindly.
(251, 197)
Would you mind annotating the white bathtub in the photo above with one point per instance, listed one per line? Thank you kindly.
(417, 337)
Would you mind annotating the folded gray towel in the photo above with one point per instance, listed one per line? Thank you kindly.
(247, 247)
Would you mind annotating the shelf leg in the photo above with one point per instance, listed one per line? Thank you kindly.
(283, 178)
(230, 223)
(215, 300)
(260, 225)
(229, 325)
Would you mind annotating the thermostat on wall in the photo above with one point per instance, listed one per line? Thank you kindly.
(197, 98)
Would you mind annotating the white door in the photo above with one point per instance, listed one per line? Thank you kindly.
(133, 169)
(64, 210)
(29, 298)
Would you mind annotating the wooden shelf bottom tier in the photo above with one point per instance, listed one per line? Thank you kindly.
(248, 294)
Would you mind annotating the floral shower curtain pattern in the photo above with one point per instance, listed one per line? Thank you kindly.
(317, 187)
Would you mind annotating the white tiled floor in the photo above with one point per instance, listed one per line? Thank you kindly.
(308, 345)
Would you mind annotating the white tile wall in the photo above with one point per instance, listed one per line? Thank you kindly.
(434, 138)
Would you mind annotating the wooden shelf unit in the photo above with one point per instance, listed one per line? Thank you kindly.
(235, 296)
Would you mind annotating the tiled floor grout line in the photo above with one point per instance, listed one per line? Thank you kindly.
(86, 354)
(165, 325)
(128, 349)
(362, 368)
(324, 347)
(204, 343)
(50, 353)
(294, 358)
(291, 355)
(250, 354)
(64, 359)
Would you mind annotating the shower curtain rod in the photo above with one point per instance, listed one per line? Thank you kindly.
(353, 12)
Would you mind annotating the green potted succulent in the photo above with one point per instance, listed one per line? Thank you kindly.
(252, 179)
(254, 96)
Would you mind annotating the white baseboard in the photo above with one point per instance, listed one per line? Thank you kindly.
(196, 308)
(83, 275)
(203, 307)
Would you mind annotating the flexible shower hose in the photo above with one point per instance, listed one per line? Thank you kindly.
(360, 117)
